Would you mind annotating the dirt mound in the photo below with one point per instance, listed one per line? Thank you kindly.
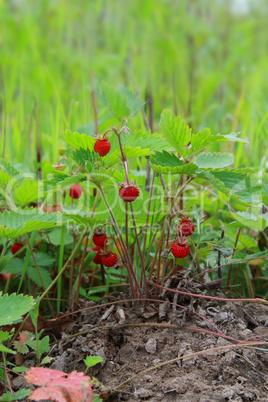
(132, 338)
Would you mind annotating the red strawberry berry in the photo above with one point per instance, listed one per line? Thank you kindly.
(129, 193)
(75, 191)
(180, 249)
(102, 147)
(187, 227)
(109, 260)
(99, 239)
(97, 258)
(15, 248)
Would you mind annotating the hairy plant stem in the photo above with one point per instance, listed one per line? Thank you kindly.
(172, 203)
(4, 249)
(7, 284)
(161, 241)
(165, 265)
(103, 274)
(80, 273)
(252, 300)
(124, 159)
(195, 258)
(6, 373)
(132, 277)
(95, 204)
(143, 274)
(119, 249)
(148, 214)
(126, 228)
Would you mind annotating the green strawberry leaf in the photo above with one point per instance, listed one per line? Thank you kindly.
(263, 254)
(247, 187)
(122, 102)
(4, 349)
(46, 360)
(14, 266)
(146, 140)
(85, 158)
(84, 217)
(15, 396)
(20, 345)
(175, 130)
(130, 152)
(77, 140)
(40, 347)
(13, 307)
(166, 159)
(249, 220)
(4, 260)
(91, 361)
(4, 336)
(26, 192)
(165, 162)
(24, 221)
(204, 138)
(214, 160)
(8, 168)
(34, 276)
(4, 179)
(42, 259)
(55, 237)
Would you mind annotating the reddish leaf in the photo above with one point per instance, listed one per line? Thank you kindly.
(20, 345)
(26, 336)
(44, 393)
(42, 376)
(58, 386)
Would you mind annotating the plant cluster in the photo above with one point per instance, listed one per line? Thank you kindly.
(115, 221)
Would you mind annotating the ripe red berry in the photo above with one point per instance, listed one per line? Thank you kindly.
(15, 248)
(180, 249)
(186, 227)
(75, 191)
(97, 258)
(109, 260)
(99, 239)
(129, 193)
(102, 147)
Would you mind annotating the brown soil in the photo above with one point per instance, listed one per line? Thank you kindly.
(230, 374)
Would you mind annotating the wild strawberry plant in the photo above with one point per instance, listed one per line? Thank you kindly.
(129, 203)
(138, 221)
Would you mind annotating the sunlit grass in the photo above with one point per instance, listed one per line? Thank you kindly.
(212, 62)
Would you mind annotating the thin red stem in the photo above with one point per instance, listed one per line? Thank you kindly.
(210, 297)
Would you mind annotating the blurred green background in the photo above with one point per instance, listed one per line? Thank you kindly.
(205, 59)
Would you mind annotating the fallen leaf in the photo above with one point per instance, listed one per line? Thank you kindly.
(59, 386)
